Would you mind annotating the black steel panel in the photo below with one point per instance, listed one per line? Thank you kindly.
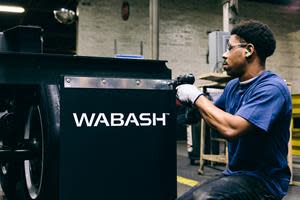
(26, 68)
(23, 39)
(117, 162)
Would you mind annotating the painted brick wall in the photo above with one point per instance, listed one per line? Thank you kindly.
(183, 37)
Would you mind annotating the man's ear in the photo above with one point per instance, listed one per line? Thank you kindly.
(249, 50)
(248, 53)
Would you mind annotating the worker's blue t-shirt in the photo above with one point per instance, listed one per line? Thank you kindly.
(266, 103)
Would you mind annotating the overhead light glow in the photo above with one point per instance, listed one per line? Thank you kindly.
(12, 9)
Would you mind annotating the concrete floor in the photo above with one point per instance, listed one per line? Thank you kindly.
(185, 170)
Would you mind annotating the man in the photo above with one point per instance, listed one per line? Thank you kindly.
(254, 114)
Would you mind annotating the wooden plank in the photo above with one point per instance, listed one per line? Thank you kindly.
(295, 107)
(218, 139)
(295, 131)
(211, 84)
(296, 152)
(296, 183)
(215, 158)
(297, 137)
(296, 143)
(296, 111)
(295, 99)
(296, 166)
(216, 77)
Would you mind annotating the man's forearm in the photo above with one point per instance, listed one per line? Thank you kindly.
(227, 124)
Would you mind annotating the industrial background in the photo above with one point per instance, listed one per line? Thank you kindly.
(183, 39)
(101, 29)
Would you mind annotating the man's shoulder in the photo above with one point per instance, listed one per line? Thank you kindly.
(273, 84)
(271, 76)
(272, 80)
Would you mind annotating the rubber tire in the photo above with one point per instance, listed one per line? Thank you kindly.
(48, 101)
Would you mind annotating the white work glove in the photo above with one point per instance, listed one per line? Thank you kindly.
(188, 93)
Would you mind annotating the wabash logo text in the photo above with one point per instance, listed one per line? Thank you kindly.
(120, 119)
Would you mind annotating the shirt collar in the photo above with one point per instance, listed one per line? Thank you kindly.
(248, 81)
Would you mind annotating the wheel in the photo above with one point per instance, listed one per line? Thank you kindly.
(40, 175)
(34, 169)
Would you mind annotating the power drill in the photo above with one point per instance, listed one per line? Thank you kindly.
(189, 114)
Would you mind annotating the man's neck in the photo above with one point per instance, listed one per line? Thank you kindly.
(252, 70)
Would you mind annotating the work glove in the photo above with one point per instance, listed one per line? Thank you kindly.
(187, 93)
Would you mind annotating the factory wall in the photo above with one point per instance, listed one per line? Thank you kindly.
(183, 32)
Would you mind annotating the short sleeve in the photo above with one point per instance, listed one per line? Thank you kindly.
(220, 102)
(263, 108)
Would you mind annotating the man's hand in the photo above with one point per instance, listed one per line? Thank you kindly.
(188, 93)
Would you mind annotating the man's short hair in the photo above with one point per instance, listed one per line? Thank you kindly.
(258, 34)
